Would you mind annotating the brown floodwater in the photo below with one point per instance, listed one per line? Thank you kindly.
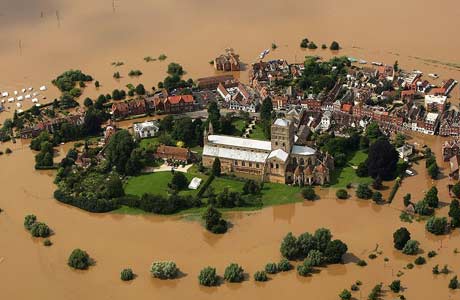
(28, 269)
(39, 40)
(58, 35)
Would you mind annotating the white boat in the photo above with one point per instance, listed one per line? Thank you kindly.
(38, 104)
(20, 98)
(34, 94)
(352, 59)
(3, 101)
(11, 99)
(376, 63)
(15, 93)
(20, 110)
(410, 172)
(264, 53)
(5, 94)
(18, 104)
(35, 100)
(43, 88)
(28, 96)
(433, 75)
(23, 90)
(362, 61)
(30, 89)
(417, 72)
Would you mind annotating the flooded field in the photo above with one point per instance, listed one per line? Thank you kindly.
(40, 40)
(28, 269)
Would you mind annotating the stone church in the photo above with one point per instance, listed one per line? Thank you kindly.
(279, 160)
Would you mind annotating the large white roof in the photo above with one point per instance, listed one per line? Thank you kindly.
(302, 150)
(235, 154)
(280, 154)
(282, 122)
(240, 142)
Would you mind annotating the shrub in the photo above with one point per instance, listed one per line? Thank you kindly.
(411, 247)
(377, 197)
(179, 181)
(284, 265)
(315, 257)
(342, 194)
(410, 266)
(453, 284)
(361, 263)
(164, 270)
(323, 46)
(345, 295)
(432, 254)
(40, 230)
(406, 199)
(29, 220)
(47, 242)
(234, 273)
(8, 151)
(372, 256)
(208, 277)
(395, 286)
(401, 237)
(445, 270)
(213, 221)
(354, 287)
(375, 293)
(305, 268)
(260, 276)
(363, 191)
(127, 274)
(312, 45)
(308, 193)
(304, 43)
(306, 243)
(420, 260)
(334, 251)
(334, 46)
(423, 209)
(436, 225)
(289, 247)
(271, 268)
(435, 270)
(79, 259)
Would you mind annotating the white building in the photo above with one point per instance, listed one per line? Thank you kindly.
(146, 129)
(405, 151)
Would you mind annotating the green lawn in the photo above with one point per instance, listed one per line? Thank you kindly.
(144, 143)
(340, 177)
(239, 126)
(258, 133)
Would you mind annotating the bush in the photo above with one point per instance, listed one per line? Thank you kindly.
(395, 286)
(79, 259)
(284, 265)
(376, 292)
(420, 260)
(377, 197)
(334, 251)
(432, 254)
(354, 287)
(411, 247)
(289, 247)
(435, 270)
(234, 273)
(400, 238)
(213, 221)
(305, 268)
(345, 295)
(312, 45)
(127, 274)
(208, 277)
(179, 181)
(423, 209)
(334, 46)
(453, 284)
(342, 194)
(260, 276)
(29, 220)
(271, 268)
(410, 266)
(308, 193)
(304, 43)
(363, 191)
(436, 225)
(8, 151)
(164, 270)
(47, 242)
(40, 230)
(361, 263)
(316, 258)
(372, 256)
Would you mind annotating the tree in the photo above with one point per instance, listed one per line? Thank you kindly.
(40, 230)
(396, 66)
(362, 170)
(341, 194)
(322, 237)
(140, 90)
(395, 286)
(216, 167)
(308, 193)
(97, 84)
(312, 46)
(208, 277)
(400, 238)
(79, 259)
(436, 225)
(271, 268)
(316, 258)
(382, 160)
(334, 46)
(29, 220)
(377, 197)
(164, 270)
(251, 187)
(284, 265)
(345, 295)
(406, 199)
(456, 190)
(266, 116)
(88, 102)
(179, 181)
(400, 140)
(377, 183)
(214, 116)
(363, 191)
(454, 213)
(119, 150)
(334, 251)
(433, 170)
(373, 131)
(234, 273)
(127, 274)
(289, 247)
(175, 69)
(453, 283)
(422, 208)
(431, 197)
(411, 247)
(305, 268)
(260, 276)
(213, 220)
(305, 244)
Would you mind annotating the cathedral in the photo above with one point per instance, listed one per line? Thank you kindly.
(279, 160)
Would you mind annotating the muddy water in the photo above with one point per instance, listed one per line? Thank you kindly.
(28, 269)
(40, 40)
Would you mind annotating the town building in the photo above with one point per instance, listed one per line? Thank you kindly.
(173, 153)
(450, 149)
(213, 81)
(280, 160)
(175, 104)
(435, 103)
(238, 97)
(227, 62)
(146, 129)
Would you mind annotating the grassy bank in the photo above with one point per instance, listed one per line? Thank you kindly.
(340, 177)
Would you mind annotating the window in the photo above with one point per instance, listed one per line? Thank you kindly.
(277, 166)
(271, 165)
(236, 162)
(284, 144)
(276, 143)
(243, 163)
(257, 165)
(250, 164)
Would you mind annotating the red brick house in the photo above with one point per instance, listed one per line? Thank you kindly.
(173, 153)
(179, 103)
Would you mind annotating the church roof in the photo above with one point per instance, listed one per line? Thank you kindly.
(282, 122)
(302, 150)
(235, 154)
(280, 154)
(240, 142)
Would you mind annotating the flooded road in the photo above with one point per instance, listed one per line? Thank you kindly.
(28, 269)
(40, 40)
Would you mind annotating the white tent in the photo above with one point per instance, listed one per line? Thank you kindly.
(195, 183)
(11, 99)
(5, 94)
(30, 89)
(15, 93)
(20, 98)
(43, 88)
(27, 96)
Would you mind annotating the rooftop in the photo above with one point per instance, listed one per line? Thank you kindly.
(235, 154)
(240, 142)
(280, 154)
(302, 150)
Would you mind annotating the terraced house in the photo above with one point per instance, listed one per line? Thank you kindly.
(280, 160)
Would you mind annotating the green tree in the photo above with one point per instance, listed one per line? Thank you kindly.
(453, 283)
(234, 273)
(164, 269)
(29, 221)
(436, 225)
(214, 116)
(305, 269)
(119, 150)
(401, 237)
(334, 251)
(308, 193)
(406, 199)
(400, 139)
(213, 221)
(216, 167)
(79, 259)
(395, 286)
(208, 277)
(316, 258)
(334, 46)
(260, 276)
(411, 247)
(306, 243)
(304, 43)
(431, 197)
(373, 131)
(341, 194)
(88, 102)
(179, 181)
(175, 69)
(271, 268)
(127, 274)
(140, 90)
(289, 247)
(40, 230)
(345, 295)
(433, 170)
(382, 160)
(322, 237)
(454, 213)
(363, 191)
(456, 190)
(284, 265)
(422, 208)
(377, 197)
